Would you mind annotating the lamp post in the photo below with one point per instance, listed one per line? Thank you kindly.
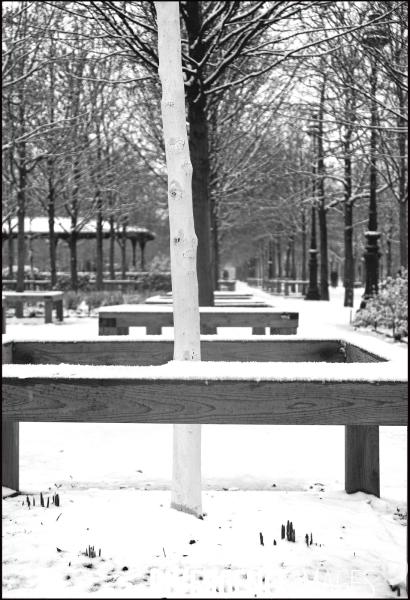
(374, 38)
(313, 290)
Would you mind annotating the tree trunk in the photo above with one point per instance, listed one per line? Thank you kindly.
(324, 261)
(10, 246)
(51, 233)
(304, 237)
(279, 255)
(21, 213)
(142, 248)
(73, 260)
(403, 233)
(186, 474)
(123, 255)
(112, 248)
(402, 137)
(199, 151)
(99, 241)
(349, 260)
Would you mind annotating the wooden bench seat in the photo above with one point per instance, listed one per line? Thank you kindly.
(49, 299)
(116, 320)
(219, 301)
(248, 389)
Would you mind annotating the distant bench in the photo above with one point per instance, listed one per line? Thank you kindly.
(49, 299)
(227, 284)
(219, 301)
(116, 320)
(281, 286)
(227, 295)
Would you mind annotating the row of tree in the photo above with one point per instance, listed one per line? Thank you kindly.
(290, 106)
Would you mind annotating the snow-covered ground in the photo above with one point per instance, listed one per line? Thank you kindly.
(114, 481)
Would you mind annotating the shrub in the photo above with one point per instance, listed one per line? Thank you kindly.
(156, 281)
(64, 282)
(388, 308)
(72, 300)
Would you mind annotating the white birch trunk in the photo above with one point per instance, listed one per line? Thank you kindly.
(186, 470)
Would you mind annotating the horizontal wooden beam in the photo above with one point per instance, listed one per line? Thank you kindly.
(12, 297)
(137, 400)
(146, 352)
(162, 316)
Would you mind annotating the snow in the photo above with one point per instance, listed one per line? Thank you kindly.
(214, 371)
(114, 478)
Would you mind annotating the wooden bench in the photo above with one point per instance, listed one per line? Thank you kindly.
(116, 320)
(282, 286)
(245, 302)
(80, 391)
(49, 299)
(226, 295)
(227, 284)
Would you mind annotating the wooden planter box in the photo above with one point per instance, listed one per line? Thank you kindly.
(254, 381)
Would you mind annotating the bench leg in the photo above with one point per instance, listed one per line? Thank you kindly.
(113, 331)
(208, 330)
(109, 327)
(362, 463)
(154, 330)
(48, 311)
(10, 454)
(258, 330)
(19, 309)
(59, 310)
(283, 330)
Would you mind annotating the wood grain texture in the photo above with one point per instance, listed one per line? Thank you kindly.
(146, 352)
(218, 317)
(10, 454)
(362, 460)
(354, 354)
(9, 438)
(7, 353)
(200, 401)
(362, 463)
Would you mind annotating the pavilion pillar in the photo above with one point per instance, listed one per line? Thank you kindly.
(134, 246)
(142, 246)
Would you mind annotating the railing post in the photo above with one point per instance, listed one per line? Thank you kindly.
(10, 454)
(362, 462)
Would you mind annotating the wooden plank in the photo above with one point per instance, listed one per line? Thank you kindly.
(48, 311)
(3, 317)
(7, 353)
(9, 438)
(362, 459)
(358, 355)
(60, 310)
(111, 400)
(146, 352)
(162, 316)
(10, 454)
(362, 463)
